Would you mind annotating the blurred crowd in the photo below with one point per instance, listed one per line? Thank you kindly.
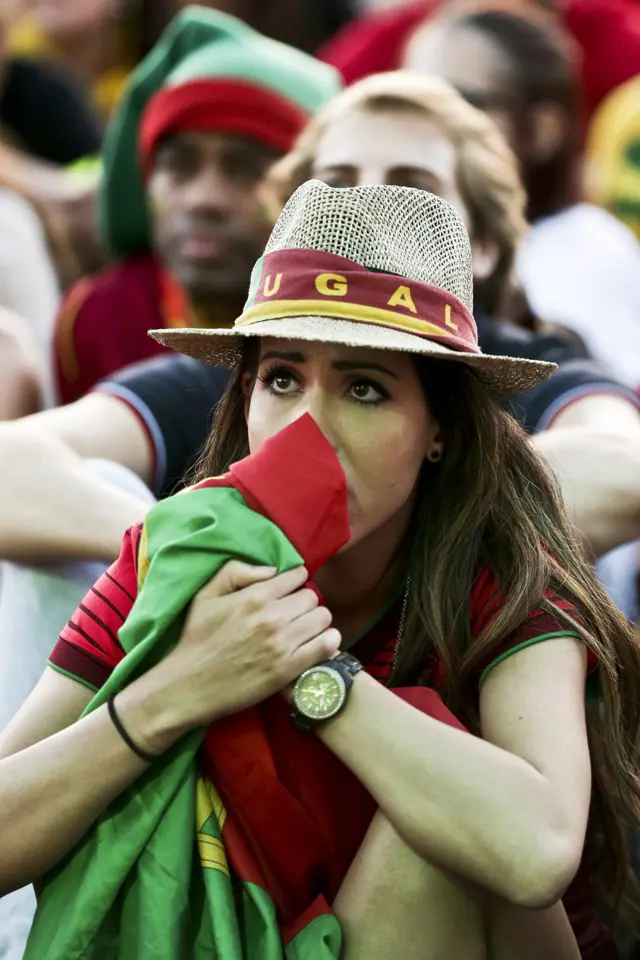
(145, 152)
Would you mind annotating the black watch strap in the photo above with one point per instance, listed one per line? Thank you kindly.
(347, 666)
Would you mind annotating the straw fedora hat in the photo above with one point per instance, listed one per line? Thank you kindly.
(378, 266)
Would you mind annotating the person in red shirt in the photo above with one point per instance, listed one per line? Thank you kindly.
(203, 117)
(460, 572)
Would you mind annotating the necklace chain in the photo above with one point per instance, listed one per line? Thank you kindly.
(403, 620)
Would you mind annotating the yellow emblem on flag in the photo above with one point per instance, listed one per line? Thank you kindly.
(210, 818)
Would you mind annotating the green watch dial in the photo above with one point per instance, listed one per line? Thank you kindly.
(319, 693)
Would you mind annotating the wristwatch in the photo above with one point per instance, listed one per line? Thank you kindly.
(321, 692)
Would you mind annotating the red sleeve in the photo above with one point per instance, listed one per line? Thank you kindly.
(102, 326)
(486, 602)
(608, 32)
(73, 378)
(88, 647)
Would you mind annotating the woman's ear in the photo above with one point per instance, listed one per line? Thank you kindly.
(435, 447)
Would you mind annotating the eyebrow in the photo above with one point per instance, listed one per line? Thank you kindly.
(406, 169)
(362, 365)
(337, 365)
(409, 169)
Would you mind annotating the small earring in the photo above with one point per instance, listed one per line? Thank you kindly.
(434, 456)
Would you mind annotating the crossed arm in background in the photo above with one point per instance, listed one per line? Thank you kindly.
(21, 369)
(53, 507)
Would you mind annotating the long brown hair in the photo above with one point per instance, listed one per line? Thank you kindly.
(492, 502)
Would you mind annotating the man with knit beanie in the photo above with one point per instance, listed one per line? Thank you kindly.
(203, 117)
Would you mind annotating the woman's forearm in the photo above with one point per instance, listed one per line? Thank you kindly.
(599, 475)
(52, 792)
(457, 800)
(52, 507)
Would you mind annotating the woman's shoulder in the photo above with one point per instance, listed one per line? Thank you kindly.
(549, 616)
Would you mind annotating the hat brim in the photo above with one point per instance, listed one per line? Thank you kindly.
(504, 375)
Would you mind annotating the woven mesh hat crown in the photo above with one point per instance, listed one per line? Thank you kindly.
(398, 230)
(394, 230)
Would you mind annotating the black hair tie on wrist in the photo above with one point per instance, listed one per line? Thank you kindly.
(115, 719)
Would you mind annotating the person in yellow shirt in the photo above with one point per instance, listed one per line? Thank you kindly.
(612, 155)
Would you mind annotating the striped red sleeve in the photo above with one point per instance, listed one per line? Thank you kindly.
(88, 647)
(486, 602)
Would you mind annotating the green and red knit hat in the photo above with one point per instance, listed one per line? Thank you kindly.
(208, 71)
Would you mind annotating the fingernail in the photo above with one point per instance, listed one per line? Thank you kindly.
(270, 570)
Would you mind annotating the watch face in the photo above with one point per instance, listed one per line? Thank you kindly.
(319, 693)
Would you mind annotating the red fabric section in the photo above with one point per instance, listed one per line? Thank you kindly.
(608, 32)
(312, 813)
(296, 815)
(80, 663)
(486, 602)
(105, 328)
(88, 645)
(235, 106)
(377, 649)
(372, 43)
(292, 275)
(295, 480)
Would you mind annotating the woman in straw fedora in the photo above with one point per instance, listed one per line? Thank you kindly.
(460, 573)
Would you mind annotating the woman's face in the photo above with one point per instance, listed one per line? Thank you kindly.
(403, 148)
(370, 406)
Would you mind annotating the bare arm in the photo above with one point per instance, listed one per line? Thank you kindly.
(76, 790)
(51, 505)
(248, 635)
(21, 368)
(507, 812)
(594, 449)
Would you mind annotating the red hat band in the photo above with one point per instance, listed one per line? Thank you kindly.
(314, 283)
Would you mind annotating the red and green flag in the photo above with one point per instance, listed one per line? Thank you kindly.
(234, 843)
(170, 869)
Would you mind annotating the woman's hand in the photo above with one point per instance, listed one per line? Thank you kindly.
(248, 635)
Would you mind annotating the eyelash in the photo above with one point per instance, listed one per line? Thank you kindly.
(267, 377)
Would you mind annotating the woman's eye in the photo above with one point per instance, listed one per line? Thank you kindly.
(282, 382)
(337, 178)
(366, 392)
(279, 382)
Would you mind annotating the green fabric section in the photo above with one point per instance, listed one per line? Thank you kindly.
(86, 171)
(198, 43)
(134, 887)
(255, 283)
(239, 53)
(320, 940)
(521, 646)
(72, 676)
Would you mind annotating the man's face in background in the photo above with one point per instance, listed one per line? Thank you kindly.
(208, 224)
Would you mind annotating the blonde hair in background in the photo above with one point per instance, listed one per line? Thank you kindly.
(487, 169)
